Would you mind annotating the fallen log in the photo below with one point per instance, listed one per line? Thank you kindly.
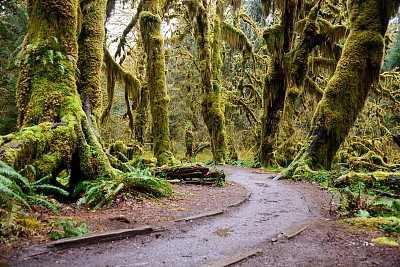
(369, 179)
(384, 193)
(197, 173)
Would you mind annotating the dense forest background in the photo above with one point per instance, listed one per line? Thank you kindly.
(242, 78)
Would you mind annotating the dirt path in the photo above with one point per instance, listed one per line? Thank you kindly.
(251, 227)
(271, 208)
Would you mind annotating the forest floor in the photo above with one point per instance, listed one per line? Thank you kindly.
(326, 242)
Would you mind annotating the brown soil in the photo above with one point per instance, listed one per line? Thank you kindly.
(130, 210)
(327, 242)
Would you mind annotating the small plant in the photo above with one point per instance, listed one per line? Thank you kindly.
(241, 163)
(17, 190)
(392, 226)
(104, 190)
(69, 230)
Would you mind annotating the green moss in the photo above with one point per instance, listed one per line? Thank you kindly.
(47, 94)
(274, 37)
(385, 241)
(130, 151)
(91, 53)
(189, 143)
(150, 27)
(383, 223)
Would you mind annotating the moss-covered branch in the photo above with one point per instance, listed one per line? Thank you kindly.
(128, 28)
(116, 72)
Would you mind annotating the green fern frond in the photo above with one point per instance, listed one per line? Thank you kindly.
(122, 157)
(43, 202)
(10, 214)
(78, 189)
(49, 189)
(8, 171)
(44, 180)
(91, 195)
(5, 191)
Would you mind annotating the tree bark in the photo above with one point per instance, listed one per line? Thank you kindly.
(345, 95)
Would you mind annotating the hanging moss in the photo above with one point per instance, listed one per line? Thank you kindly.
(141, 116)
(236, 39)
(210, 81)
(273, 36)
(114, 73)
(279, 39)
(189, 144)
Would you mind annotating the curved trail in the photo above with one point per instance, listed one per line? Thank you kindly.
(270, 208)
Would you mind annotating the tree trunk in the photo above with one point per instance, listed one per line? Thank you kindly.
(58, 130)
(347, 90)
(279, 39)
(150, 28)
(210, 83)
(141, 116)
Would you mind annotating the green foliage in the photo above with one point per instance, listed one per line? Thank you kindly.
(392, 226)
(69, 229)
(16, 190)
(13, 26)
(378, 212)
(104, 190)
(240, 163)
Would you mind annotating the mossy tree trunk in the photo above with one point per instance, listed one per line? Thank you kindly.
(141, 116)
(345, 95)
(150, 28)
(58, 129)
(279, 39)
(286, 71)
(210, 81)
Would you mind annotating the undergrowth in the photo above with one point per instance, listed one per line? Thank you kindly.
(358, 203)
(18, 194)
(103, 191)
(69, 228)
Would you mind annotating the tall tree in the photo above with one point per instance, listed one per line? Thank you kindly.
(210, 67)
(58, 91)
(347, 90)
(153, 43)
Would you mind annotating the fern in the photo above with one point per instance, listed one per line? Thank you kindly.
(6, 192)
(43, 202)
(44, 180)
(49, 189)
(8, 171)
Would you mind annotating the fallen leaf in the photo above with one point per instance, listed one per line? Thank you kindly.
(180, 209)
